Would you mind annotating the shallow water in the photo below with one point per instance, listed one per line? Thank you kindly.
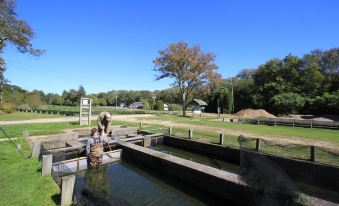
(124, 184)
(197, 158)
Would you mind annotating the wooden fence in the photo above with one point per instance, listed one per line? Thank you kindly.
(293, 122)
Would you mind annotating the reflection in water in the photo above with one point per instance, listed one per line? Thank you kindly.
(197, 158)
(123, 184)
(96, 179)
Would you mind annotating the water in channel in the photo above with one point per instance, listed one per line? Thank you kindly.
(125, 184)
(222, 165)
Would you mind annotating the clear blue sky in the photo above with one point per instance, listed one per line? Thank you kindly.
(107, 45)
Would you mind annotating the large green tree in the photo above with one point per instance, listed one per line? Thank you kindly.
(16, 32)
(188, 66)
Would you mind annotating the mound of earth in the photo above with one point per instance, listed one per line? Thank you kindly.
(254, 113)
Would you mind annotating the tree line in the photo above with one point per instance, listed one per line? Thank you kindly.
(306, 85)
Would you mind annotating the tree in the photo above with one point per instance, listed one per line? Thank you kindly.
(33, 100)
(159, 105)
(81, 92)
(14, 31)
(58, 101)
(287, 103)
(188, 66)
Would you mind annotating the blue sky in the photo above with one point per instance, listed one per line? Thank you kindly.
(106, 45)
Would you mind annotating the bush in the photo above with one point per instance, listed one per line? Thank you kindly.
(8, 107)
(287, 103)
(174, 107)
(159, 105)
(146, 105)
(24, 106)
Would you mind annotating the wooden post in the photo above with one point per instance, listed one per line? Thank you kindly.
(275, 122)
(190, 133)
(221, 139)
(170, 130)
(46, 164)
(36, 149)
(67, 187)
(25, 134)
(257, 145)
(312, 157)
(258, 122)
(140, 125)
(293, 122)
(311, 123)
(147, 141)
(223, 119)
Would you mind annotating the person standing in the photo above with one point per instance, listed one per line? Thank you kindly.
(95, 148)
(104, 122)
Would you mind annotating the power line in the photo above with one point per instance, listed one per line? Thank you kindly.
(57, 75)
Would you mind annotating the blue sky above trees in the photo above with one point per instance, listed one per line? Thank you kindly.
(110, 45)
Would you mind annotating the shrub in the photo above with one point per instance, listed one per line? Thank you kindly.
(8, 107)
(287, 103)
(146, 105)
(174, 107)
(159, 105)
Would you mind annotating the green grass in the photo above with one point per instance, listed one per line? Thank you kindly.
(300, 152)
(25, 116)
(21, 181)
(283, 131)
(39, 128)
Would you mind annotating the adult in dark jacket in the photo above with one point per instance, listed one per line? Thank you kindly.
(104, 122)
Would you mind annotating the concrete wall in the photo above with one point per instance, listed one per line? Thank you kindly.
(223, 184)
(311, 173)
(60, 138)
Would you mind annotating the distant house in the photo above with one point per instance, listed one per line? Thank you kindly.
(198, 106)
(165, 107)
(136, 105)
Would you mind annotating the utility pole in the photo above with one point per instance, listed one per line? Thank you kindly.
(232, 95)
(154, 97)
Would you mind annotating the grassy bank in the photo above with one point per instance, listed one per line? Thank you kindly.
(39, 129)
(282, 131)
(20, 179)
(25, 116)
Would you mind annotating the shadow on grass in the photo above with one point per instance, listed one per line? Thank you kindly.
(185, 116)
(56, 199)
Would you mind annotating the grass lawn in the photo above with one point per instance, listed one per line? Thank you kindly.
(283, 131)
(21, 181)
(25, 116)
(39, 128)
(210, 136)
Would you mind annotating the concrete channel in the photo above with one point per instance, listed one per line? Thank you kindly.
(133, 147)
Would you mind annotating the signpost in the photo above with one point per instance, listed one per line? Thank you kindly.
(85, 111)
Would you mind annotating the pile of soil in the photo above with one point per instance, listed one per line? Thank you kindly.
(254, 113)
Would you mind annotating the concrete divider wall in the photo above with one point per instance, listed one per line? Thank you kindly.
(308, 172)
(212, 150)
(71, 136)
(218, 182)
